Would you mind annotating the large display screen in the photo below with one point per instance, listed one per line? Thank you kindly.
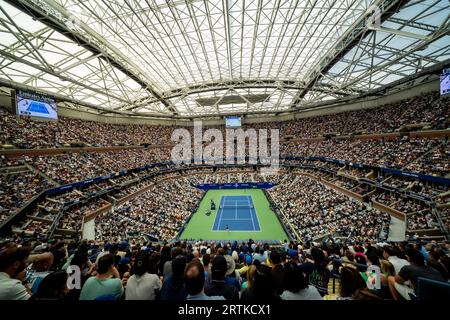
(35, 105)
(445, 82)
(233, 122)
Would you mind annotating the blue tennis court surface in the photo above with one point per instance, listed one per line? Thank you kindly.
(37, 107)
(237, 213)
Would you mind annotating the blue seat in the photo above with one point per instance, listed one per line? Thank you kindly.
(428, 289)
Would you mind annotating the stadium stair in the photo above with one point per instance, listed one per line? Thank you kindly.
(397, 230)
(43, 175)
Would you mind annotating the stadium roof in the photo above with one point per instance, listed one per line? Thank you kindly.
(166, 58)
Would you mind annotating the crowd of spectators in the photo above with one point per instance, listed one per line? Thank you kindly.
(75, 167)
(160, 212)
(398, 153)
(428, 109)
(314, 210)
(18, 187)
(246, 271)
(310, 207)
(424, 219)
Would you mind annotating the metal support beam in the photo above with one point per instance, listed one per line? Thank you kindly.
(53, 15)
(241, 84)
(399, 33)
(58, 75)
(350, 39)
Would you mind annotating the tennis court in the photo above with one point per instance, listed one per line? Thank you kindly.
(37, 107)
(212, 227)
(236, 213)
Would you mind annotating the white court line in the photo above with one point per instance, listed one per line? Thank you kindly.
(251, 215)
(235, 210)
(220, 216)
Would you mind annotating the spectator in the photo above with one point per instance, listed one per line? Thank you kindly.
(250, 275)
(39, 269)
(318, 274)
(296, 285)
(350, 282)
(232, 275)
(53, 287)
(173, 288)
(258, 255)
(106, 285)
(13, 261)
(194, 281)
(436, 260)
(217, 285)
(277, 271)
(398, 286)
(262, 286)
(142, 285)
(390, 253)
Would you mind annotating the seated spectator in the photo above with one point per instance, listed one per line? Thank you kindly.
(262, 286)
(172, 287)
(106, 284)
(391, 254)
(398, 286)
(247, 260)
(437, 261)
(318, 274)
(53, 287)
(258, 255)
(250, 275)
(296, 286)
(142, 285)
(39, 269)
(350, 282)
(13, 261)
(194, 282)
(217, 285)
(80, 260)
(277, 271)
(387, 270)
(206, 260)
(232, 276)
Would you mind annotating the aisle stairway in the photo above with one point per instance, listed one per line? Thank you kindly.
(397, 230)
(46, 177)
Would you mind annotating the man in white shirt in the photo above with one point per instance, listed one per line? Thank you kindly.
(390, 254)
(13, 260)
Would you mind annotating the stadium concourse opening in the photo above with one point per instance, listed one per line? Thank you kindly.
(245, 151)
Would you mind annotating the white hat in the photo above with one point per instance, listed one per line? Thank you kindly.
(235, 255)
(231, 265)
